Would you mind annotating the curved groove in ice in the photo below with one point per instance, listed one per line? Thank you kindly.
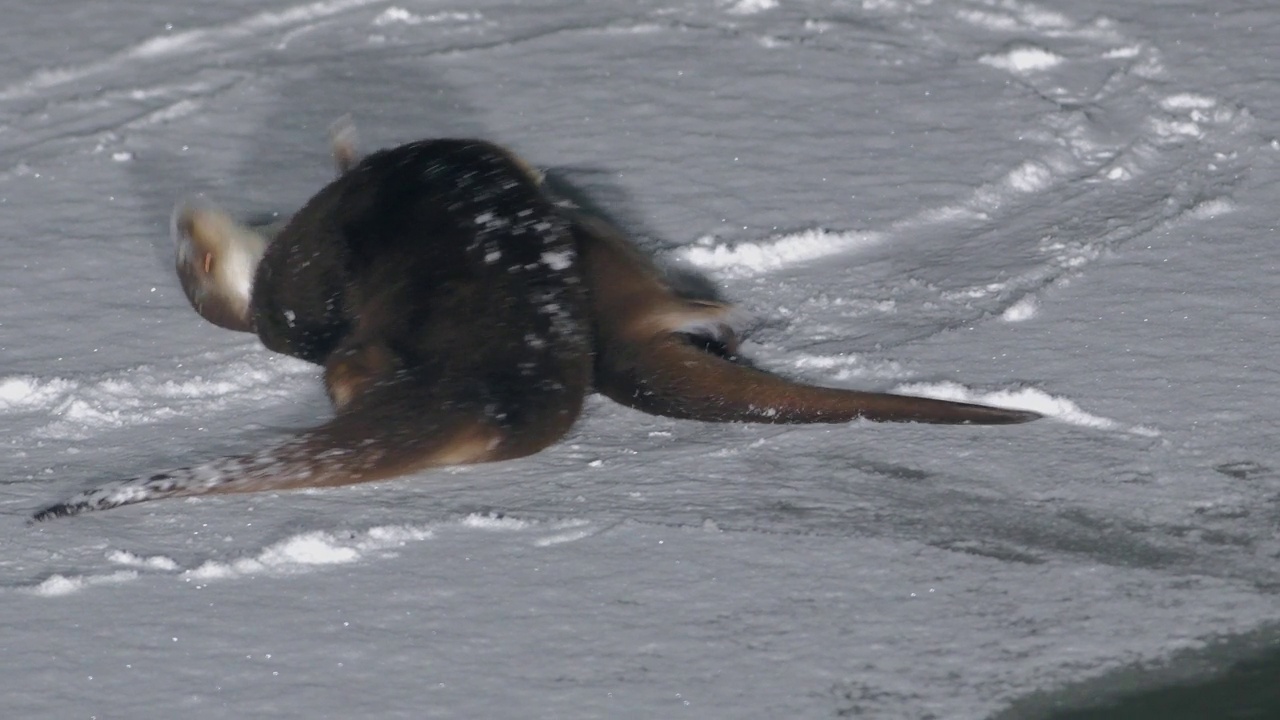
(1172, 146)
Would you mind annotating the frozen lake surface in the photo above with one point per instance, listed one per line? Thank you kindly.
(1067, 209)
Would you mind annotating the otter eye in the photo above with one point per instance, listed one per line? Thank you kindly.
(208, 263)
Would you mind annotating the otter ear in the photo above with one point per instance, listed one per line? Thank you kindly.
(343, 143)
(216, 260)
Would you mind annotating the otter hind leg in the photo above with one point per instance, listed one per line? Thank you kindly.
(333, 454)
(216, 259)
(353, 369)
(397, 424)
(709, 324)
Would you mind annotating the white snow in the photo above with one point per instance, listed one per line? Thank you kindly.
(1023, 59)
(1020, 399)
(1022, 310)
(750, 258)
(1068, 207)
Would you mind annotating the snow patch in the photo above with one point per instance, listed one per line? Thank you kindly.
(310, 549)
(553, 533)
(567, 531)
(304, 13)
(1024, 309)
(23, 392)
(481, 521)
(1029, 177)
(59, 585)
(1014, 16)
(1023, 59)
(292, 555)
(749, 7)
(1119, 172)
(397, 15)
(394, 15)
(1122, 53)
(167, 44)
(561, 538)
(1042, 19)
(1188, 101)
(751, 258)
(155, 562)
(637, 28)
(1174, 128)
(1210, 209)
(949, 213)
(847, 367)
(1019, 399)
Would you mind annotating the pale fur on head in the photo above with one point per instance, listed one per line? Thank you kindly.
(216, 260)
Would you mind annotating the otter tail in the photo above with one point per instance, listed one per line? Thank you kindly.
(398, 427)
(671, 376)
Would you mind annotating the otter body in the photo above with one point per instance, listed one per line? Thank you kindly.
(461, 315)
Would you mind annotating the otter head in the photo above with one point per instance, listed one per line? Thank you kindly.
(216, 260)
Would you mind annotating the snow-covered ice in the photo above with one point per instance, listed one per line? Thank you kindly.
(1065, 207)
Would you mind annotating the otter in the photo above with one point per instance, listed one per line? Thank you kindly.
(462, 313)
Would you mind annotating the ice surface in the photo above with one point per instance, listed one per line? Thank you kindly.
(1068, 209)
